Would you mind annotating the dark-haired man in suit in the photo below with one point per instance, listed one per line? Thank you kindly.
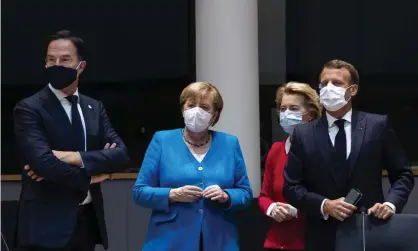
(344, 149)
(67, 147)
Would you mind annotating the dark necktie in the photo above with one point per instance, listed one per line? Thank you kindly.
(78, 133)
(340, 152)
(77, 125)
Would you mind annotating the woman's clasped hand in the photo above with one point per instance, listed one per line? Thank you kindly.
(193, 193)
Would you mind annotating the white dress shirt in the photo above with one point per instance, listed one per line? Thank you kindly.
(67, 107)
(333, 130)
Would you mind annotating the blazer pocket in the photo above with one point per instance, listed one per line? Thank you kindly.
(160, 217)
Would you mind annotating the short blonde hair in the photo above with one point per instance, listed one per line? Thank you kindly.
(310, 96)
(198, 90)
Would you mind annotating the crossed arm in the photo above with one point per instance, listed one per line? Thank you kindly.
(74, 159)
(73, 169)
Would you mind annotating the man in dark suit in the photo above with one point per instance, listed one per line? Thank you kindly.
(344, 149)
(61, 135)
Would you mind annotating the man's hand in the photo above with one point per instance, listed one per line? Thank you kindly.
(215, 193)
(380, 211)
(32, 174)
(281, 212)
(185, 194)
(107, 146)
(99, 178)
(71, 158)
(338, 209)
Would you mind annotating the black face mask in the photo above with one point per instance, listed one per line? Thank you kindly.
(60, 77)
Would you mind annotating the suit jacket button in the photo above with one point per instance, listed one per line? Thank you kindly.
(200, 211)
(200, 168)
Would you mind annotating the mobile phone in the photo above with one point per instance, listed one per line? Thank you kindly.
(353, 197)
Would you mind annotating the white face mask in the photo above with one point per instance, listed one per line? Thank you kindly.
(333, 97)
(196, 119)
(289, 119)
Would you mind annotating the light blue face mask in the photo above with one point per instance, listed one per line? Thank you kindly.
(289, 119)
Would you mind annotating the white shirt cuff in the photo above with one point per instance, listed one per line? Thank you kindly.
(325, 216)
(391, 206)
(82, 163)
(270, 208)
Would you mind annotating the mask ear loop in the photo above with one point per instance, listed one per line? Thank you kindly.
(350, 95)
(78, 66)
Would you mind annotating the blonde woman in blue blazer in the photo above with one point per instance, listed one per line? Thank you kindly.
(194, 179)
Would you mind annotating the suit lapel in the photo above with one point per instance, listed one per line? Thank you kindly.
(324, 145)
(88, 113)
(358, 128)
(54, 107)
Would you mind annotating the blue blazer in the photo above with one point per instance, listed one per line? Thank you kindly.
(168, 163)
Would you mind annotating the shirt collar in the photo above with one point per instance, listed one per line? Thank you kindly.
(287, 145)
(346, 117)
(59, 94)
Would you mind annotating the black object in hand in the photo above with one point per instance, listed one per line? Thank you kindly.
(353, 197)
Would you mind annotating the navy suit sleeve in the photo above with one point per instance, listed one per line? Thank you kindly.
(146, 191)
(33, 145)
(294, 189)
(398, 167)
(240, 196)
(106, 160)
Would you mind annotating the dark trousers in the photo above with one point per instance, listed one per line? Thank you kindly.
(86, 234)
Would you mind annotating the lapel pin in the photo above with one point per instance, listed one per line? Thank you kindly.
(90, 107)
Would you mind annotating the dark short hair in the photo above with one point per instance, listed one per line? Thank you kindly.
(339, 64)
(77, 42)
